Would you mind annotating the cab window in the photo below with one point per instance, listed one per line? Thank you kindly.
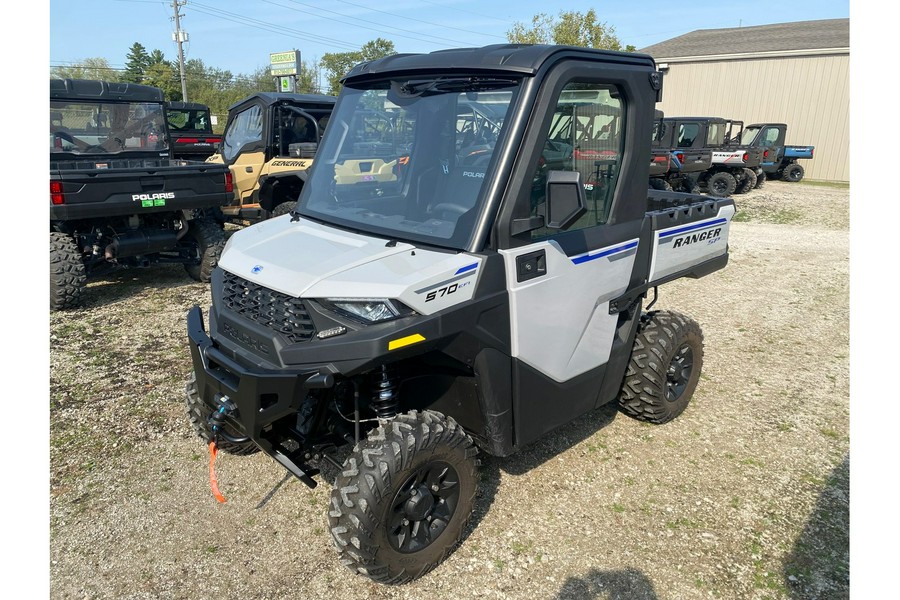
(246, 128)
(586, 135)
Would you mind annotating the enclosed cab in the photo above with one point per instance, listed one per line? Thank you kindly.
(117, 197)
(455, 279)
(269, 144)
(686, 161)
(779, 160)
(734, 168)
(190, 124)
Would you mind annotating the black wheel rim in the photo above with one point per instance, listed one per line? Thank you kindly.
(720, 186)
(679, 372)
(423, 507)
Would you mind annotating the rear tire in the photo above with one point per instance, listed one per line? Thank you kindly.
(67, 273)
(284, 208)
(660, 184)
(664, 367)
(721, 184)
(209, 237)
(404, 498)
(198, 413)
(748, 182)
(761, 180)
(793, 173)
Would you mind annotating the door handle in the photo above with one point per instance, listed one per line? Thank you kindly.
(248, 169)
(531, 265)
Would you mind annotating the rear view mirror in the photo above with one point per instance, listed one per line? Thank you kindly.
(565, 199)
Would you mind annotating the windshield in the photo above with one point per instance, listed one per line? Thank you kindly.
(407, 159)
(749, 135)
(106, 127)
(188, 119)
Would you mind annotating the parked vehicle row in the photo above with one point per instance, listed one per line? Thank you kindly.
(726, 157)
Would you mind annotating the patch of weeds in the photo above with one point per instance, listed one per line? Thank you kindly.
(729, 456)
(786, 216)
(752, 462)
(318, 531)
(784, 427)
(682, 523)
(196, 456)
(629, 481)
(829, 433)
(838, 185)
(499, 564)
(519, 548)
(741, 216)
(619, 508)
(735, 502)
(212, 549)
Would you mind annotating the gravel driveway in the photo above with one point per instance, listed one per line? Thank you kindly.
(744, 496)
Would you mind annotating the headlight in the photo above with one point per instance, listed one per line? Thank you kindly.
(370, 310)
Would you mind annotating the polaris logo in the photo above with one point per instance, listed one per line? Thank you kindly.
(158, 196)
(474, 174)
(697, 237)
(245, 339)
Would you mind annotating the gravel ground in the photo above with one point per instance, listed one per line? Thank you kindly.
(744, 496)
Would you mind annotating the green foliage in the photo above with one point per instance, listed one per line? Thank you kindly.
(89, 68)
(337, 64)
(570, 28)
(138, 61)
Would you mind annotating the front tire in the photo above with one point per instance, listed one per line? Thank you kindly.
(664, 367)
(209, 238)
(67, 273)
(404, 498)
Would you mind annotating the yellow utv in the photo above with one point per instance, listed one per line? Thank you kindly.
(269, 143)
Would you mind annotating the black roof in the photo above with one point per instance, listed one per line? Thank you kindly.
(88, 89)
(522, 59)
(270, 98)
(767, 124)
(187, 106)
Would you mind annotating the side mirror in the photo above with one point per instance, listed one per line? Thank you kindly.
(565, 199)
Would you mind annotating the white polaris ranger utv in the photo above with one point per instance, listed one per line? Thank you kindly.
(464, 272)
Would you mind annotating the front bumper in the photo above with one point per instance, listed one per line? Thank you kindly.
(262, 397)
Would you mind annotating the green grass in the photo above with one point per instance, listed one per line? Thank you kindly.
(838, 185)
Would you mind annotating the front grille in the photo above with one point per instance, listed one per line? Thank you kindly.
(277, 311)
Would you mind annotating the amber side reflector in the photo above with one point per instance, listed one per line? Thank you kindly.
(56, 193)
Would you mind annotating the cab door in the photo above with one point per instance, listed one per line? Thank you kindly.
(244, 150)
(566, 342)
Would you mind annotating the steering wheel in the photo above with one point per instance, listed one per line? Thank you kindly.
(450, 208)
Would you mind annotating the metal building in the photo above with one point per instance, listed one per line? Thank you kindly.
(794, 73)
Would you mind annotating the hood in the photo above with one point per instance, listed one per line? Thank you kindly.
(290, 257)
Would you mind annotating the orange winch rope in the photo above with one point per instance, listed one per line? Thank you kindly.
(213, 483)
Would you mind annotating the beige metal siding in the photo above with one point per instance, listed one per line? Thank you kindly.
(810, 93)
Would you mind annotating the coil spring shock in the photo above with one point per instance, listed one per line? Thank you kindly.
(384, 399)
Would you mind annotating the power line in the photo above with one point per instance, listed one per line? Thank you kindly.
(343, 21)
(441, 25)
(242, 20)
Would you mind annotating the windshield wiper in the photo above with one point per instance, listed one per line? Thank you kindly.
(457, 84)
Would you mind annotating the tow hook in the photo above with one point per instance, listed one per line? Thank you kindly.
(216, 420)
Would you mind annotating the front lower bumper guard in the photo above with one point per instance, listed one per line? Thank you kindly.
(261, 397)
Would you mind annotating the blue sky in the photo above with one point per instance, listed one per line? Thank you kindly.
(239, 35)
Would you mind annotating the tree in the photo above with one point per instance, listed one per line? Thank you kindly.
(137, 63)
(570, 28)
(90, 68)
(337, 64)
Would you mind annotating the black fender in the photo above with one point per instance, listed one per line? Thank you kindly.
(280, 187)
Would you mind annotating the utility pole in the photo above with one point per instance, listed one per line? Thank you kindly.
(180, 37)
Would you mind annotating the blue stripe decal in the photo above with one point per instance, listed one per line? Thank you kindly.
(587, 257)
(466, 268)
(703, 225)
